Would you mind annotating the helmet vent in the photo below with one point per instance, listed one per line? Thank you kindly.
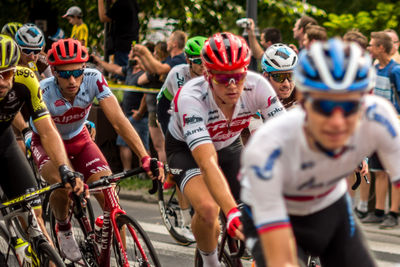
(215, 50)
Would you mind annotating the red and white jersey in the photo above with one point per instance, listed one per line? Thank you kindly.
(70, 117)
(282, 176)
(198, 120)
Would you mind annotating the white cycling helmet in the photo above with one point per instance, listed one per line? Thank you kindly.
(29, 36)
(278, 57)
(335, 67)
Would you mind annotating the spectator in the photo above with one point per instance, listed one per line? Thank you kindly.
(388, 74)
(133, 103)
(300, 28)
(123, 15)
(268, 37)
(354, 35)
(395, 50)
(314, 33)
(79, 30)
(175, 45)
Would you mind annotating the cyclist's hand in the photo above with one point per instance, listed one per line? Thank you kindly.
(27, 133)
(364, 168)
(71, 179)
(153, 168)
(233, 224)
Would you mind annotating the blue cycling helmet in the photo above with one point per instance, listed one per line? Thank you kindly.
(29, 36)
(335, 67)
(278, 57)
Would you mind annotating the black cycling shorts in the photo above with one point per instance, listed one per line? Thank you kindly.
(331, 234)
(374, 164)
(163, 116)
(17, 177)
(184, 167)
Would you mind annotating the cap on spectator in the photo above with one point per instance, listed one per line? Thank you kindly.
(73, 11)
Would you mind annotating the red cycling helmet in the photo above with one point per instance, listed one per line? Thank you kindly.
(67, 51)
(225, 51)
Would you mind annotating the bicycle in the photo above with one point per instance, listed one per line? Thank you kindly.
(130, 243)
(41, 253)
(171, 214)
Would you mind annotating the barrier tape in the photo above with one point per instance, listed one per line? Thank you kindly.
(132, 88)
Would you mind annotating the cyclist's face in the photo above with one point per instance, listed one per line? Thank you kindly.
(69, 86)
(227, 93)
(283, 89)
(6, 82)
(332, 131)
(25, 58)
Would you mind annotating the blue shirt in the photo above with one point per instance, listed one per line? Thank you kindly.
(383, 84)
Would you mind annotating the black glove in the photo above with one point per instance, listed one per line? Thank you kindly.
(68, 176)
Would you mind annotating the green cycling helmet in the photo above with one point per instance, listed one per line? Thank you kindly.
(11, 28)
(194, 45)
(9, 52)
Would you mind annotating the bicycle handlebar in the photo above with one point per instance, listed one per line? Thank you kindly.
(106, 180)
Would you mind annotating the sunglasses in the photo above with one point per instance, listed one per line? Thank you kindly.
(327, 107)
(227, 79)
(66, 74)
(281, 77)
(196, 60)
(7, 74)
(29, 51)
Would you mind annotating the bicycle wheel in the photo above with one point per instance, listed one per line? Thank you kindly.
(7, 253)
(135, 240)
(225, 260)
(171, 214)
(47, 255)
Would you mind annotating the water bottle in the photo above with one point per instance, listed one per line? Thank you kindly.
(20, 246)
(97, 231)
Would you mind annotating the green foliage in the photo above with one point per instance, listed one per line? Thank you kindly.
(383, 17)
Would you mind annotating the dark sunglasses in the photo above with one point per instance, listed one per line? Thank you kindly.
(281, 77)
(28, 51)
(227, 79)
(7, 74)
(66, 74)
(196, 60)
(327, 107)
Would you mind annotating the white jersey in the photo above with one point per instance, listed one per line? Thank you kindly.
(197, 119)
(281, 175)
(176, 78)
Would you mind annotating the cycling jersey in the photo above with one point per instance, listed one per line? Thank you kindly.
(70, 117)
(25, 91)
(281, 175)
(198, 120)
(176, 78)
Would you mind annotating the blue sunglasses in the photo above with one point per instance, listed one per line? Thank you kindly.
(66, 74)
(326, 107)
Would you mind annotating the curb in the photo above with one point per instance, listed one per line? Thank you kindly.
(137, 195)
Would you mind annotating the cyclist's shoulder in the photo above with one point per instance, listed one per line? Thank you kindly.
(25, 77)
(195, 88)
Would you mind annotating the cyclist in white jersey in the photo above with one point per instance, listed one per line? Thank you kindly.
(294, 183)
(203, 137)
(69, 96)
(178, 76)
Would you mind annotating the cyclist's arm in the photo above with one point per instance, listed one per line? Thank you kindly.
(255, 47)
(207, 160)
(19, 122)
(109, 67)
(279, 247)
(122, 126)
(51, 141)
(102, 12)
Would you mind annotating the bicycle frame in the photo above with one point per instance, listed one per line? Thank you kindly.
(110, 213)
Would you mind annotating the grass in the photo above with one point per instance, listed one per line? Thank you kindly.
(135, 183)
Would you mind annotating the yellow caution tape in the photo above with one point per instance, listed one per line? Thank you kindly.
(132, 88)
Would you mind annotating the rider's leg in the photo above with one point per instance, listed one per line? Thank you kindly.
(205, 225)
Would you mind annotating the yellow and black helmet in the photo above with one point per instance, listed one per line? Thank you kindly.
(11, 28)
(9, 52)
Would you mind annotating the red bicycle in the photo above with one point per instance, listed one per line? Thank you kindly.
(129, 242)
